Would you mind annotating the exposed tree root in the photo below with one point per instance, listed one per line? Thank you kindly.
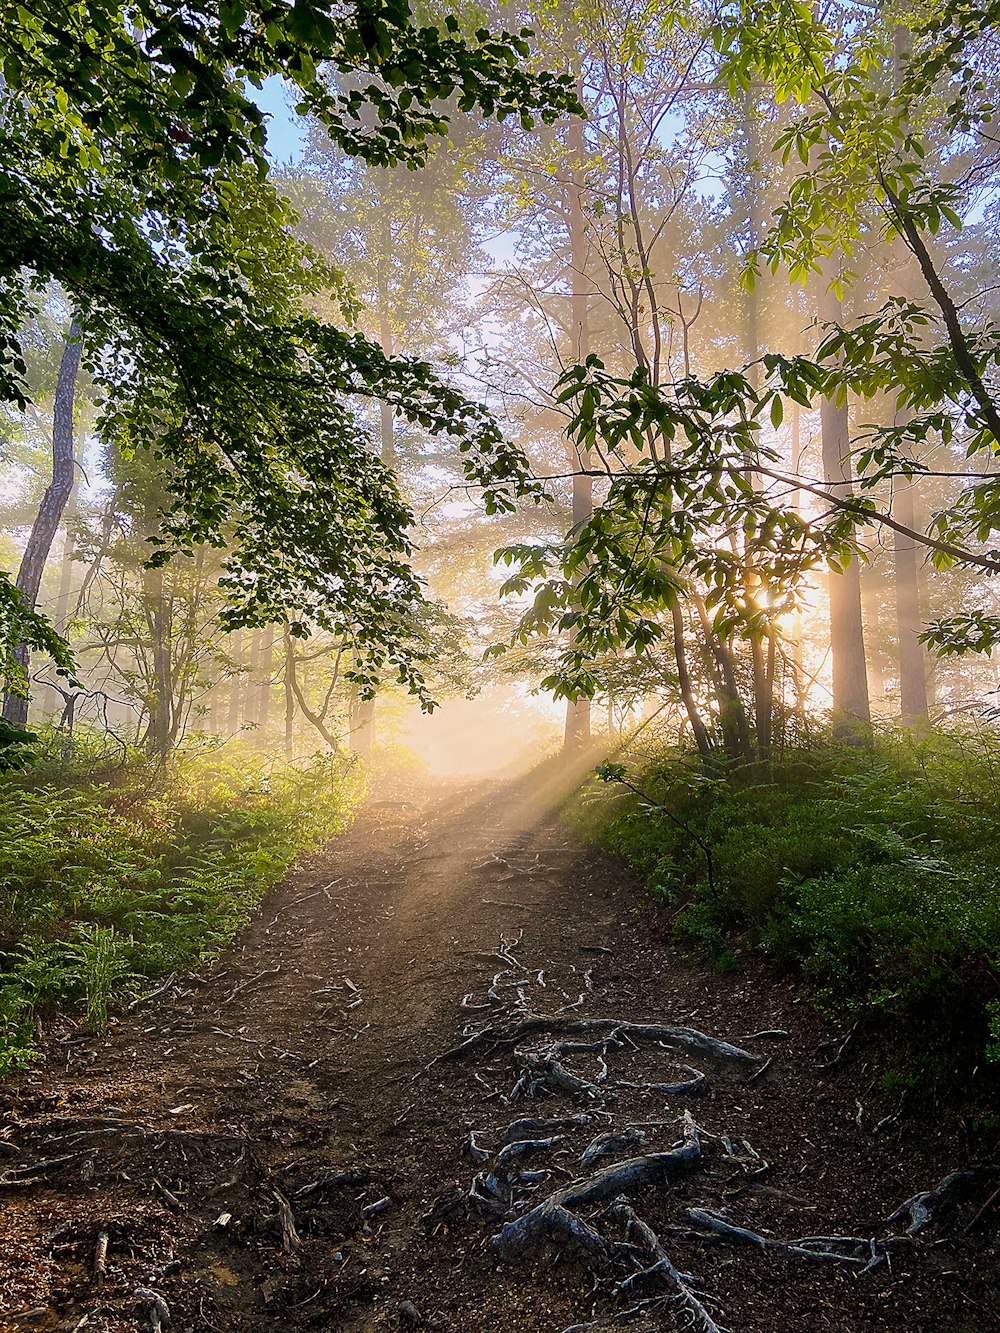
(33, 1172)
(663, 1270)
(620, 1178)
(286, 1222)
(696, 1086)
(512, 1152)
(851, 1251)
(608, 1145)
(344, 1180)
(920, 1210)
(635, 1266)
(615, 1029)
(543, 1070)
(618, 1317)
(530, 1127)
(157, 1310)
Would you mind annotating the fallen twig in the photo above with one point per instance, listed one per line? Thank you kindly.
(101, 1255)
(290, 1239)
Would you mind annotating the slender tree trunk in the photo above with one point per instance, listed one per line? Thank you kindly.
(361, 712)
(700, 732)
(215, 710)
(733, 720)
(763, 695)
(53, 503)
(289, 681)
(265, 670)
(873, 592)
(251, 699)
(163, 733)
(66, 561)
(577, 729)
(256, 700)
(851, 708)
(60, 613)
(763, 679)
(913, 706)
(795, 647)
(361, 721)
(159, 729)
(236, 683)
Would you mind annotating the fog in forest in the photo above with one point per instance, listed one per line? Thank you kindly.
(499, 501)
(512, 256)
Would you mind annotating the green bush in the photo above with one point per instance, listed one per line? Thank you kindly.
(876, 873)
(113, 874)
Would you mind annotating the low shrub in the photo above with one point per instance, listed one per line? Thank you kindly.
(113, 874)
(875, 872)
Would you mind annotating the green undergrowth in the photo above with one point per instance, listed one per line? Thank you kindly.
(114, 874)
(875, 873)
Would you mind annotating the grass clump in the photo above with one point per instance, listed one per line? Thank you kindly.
(874, 872)
(113, 874)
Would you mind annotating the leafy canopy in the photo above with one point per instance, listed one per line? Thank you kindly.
(133, 174)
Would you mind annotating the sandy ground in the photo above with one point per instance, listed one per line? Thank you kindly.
(234, 1100)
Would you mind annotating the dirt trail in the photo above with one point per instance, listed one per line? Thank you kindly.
(304, 1054)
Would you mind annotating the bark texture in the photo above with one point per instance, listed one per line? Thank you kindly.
(52, 506)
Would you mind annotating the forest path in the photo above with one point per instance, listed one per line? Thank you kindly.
(305, 1054)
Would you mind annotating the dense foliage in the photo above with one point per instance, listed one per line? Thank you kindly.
(114, 874)
(874, 123)
(876, 874)
(134, 175)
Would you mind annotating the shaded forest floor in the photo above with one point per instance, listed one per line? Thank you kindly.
(311, 1051)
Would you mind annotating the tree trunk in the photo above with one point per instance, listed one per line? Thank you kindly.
(160, 728)
(236, 683)
(66, 562)
(732, 714)
(215, 710)
(874, 591)
(913, 707)
(289, 695)
(53, 503)
(577, 729)
(361, 720)
(851, 709)
(763, 679)
(796, 656)
(265, 667)
(361, 712)
(701, 737)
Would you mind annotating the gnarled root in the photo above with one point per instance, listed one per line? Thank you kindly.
(619, 1178)
(851, 1251)
(920, 1210)
(661, 1269)
(615, 1030)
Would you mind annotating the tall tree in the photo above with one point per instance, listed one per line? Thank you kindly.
(577, 727)
(912, 656)
(851, 706)
(50, 509)
(132, 160)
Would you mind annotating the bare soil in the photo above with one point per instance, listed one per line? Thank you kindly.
(311, 1049)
